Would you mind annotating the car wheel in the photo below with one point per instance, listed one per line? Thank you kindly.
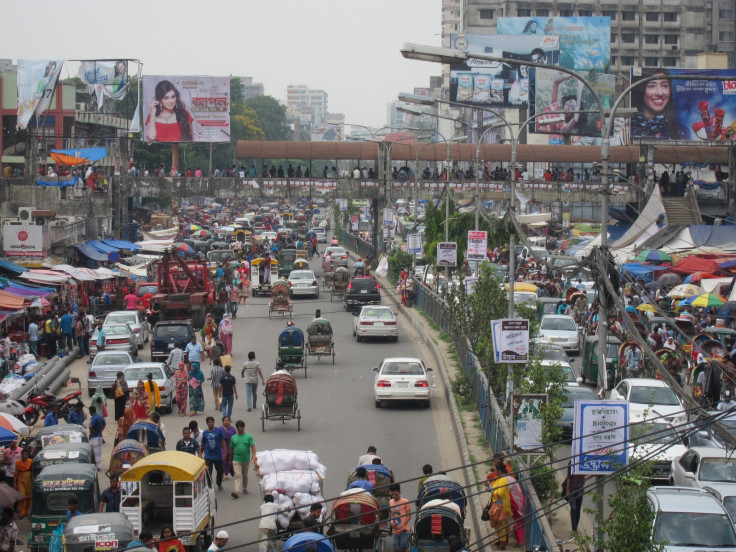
(358, 338)
(395, 338)
(426, 404)
(379, 404)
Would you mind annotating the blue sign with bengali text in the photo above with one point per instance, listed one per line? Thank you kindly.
(600, 437)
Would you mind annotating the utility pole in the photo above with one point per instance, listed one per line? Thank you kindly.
(512, 279)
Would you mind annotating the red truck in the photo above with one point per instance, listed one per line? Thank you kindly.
(185, 289)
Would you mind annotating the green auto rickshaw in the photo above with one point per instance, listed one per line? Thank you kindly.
(589, 368)
(52, 489)
(286, 258)
(98, 532)
(62, 453)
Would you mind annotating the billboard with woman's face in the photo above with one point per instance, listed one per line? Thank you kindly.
(684, 108)
(186, 109)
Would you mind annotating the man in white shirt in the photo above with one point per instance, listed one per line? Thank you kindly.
(368, 457)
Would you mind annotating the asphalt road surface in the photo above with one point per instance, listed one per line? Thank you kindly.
(339, 419)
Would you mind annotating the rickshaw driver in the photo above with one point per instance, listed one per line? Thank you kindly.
(218, 545)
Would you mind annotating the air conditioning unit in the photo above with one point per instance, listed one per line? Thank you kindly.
(25, 213)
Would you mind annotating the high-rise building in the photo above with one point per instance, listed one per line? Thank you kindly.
(251, 89)
(306, 100)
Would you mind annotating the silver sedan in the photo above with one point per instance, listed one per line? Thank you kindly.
(375, 321)
(303, 282)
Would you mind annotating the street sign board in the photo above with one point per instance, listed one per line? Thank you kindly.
(414, 243)
(342, 204)
(477, 245)
(354, 219)
(388, 217)
(510, 340)
(113, 256)
(528, 421)
(600, 437)
(446, 254)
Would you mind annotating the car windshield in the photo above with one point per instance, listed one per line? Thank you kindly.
(147, 289)
(121, 318)
(718, 469)
(653, 395)
(301, 275)
(381, 313)
(729, 503)
(648, 433)
(116, 330)
(558, 324)
(111, 360)
(554, 354)
(402, 368)
(335, 250)
(173, 330)
(142, 373)
(612, 350)
(579, 394)
(694, 530)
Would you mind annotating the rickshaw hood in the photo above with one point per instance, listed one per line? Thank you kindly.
(180, 466)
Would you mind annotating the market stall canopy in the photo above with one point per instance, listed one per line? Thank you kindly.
(11, 302)
(122, 244)
(90, 252)
(46, 277)
(695, 263)
(74, 157)
(12, 267)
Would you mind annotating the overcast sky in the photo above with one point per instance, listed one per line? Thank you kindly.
(350, 48)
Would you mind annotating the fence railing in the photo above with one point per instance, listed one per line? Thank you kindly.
(492, 420)
(354, 243)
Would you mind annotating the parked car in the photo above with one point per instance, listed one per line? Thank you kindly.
(726, 495)
(403, 379)
(336, 252)
(321, 234)
(168, 335)
(553, 352)
(134, 320)
(704, 467)
(118, 337)
(104, 369)
(162, 375)
(303, 282)
(560, 329)
(362, 290)
(689, 520)
(375, 321)
(652, 396)
(567, 370)
(659, 442)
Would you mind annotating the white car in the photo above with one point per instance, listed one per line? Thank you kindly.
(375, 321)
(321, 234)
(162, 375)
(134, 320)
(701, 467)
(303, 282)
(401, 379)
(656, 441)
(270, 236)
(566, 368)
(651, 396)
(560, 329)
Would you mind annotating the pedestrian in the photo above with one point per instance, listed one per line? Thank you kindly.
(234, 292)
(215, 377)
(193, 351)
(181, 382)
(186, 443)
(110, 498)
(120, 392)
(52, 418)
(226, 333)
(196, 396)
(139, 401)
(211, 449)
(228, 391)
(313, 522)
(518, 503)
(400, 517)
(251, 372)
(9, 532)
(24, 483)
(33, 338)
(196, 434)
(500, 495)
(168, 541)
(242, 451)
(80, 333)
(228, 430)
(67, 330)
(175, 357)
(218, 545)
(76, 416)
(11, 455)
(573, 486)
(267, 528)
(49, 334)
(153, 393)
(96, 427)
(145, 540)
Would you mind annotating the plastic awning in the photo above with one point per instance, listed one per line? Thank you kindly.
(103, 247)
(122, 244)
(90, 252)
(8, 301)
(43, 277)
(12, 267)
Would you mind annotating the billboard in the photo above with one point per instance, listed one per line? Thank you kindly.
(600, 436)
(37, 80)
(186, 109)
(510, 340)
(482, 82)
(25, 240)
(684, 109)
(584, 42)
(105, 79)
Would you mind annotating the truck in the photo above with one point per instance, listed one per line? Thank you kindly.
(186, 290)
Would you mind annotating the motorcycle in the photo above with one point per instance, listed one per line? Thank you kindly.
(44, 402)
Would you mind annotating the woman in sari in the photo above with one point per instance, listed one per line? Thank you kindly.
(120, 391)
(168, 541)
(500, 494)
(196, 397)
(139, 401)
(125, 422)
(518, 505)
(227, 431)
(226, 333)
(181, 379)
(24, 482)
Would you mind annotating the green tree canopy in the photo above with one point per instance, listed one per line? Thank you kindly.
(271, 117)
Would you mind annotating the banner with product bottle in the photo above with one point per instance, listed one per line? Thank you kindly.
(684, 108)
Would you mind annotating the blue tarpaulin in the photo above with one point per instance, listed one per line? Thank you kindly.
(713, 236)
(90, 154)
(122, 244)
(60, 183)
(103, 247)
(12, 267)
(90, 252)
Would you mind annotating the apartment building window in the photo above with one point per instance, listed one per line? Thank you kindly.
(486, 14)
(671, 39)
(651, 39)
(669, 61)
(725, 14)
(609, 13)
(542, 12)
(669, 17)
(628, 38)
(627, 60)
(524, 12)
(652, 16)
(585, 13)
(628, 16)
(565, 13)
(651, 61)
(725, 35)
(614, 36)
(614, 59)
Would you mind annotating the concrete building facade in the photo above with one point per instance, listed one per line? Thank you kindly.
(307, 100)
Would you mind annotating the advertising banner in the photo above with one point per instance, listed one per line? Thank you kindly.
(342, 204)
(414, 243)
(388, 217)
(37, 80)
(105, 79)
(25, 240)
(510, 340)
(446, 254)
(685, 109)
(186, 109)
(528, 421)
(482, 82)
(477, 245)
(600, 435)
(354, 219)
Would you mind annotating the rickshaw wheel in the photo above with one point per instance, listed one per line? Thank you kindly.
(298, 420)
(333, 358)
(263, 421)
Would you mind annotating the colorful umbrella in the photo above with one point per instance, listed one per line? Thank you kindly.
(182, 247)
(670, 279)
(652, 256)
(696, 277)
(646, 307)
(13, 424)
(8, 495)
(192, 228)
(707, 300)
(202, 233)
(192, 208)
(684, 291)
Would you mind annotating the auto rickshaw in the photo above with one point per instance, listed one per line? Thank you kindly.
(109, 531)
(62, 453)
(52, 489)
(171, 488)
(589, 369)
(286, 258)
(301, 264)
(126, 453)
(257, 285)
(52, 435)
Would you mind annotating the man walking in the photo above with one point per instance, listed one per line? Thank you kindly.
(251, 372)
(194, 351)
(67, 330)
(228, 392)
(96, 426)
(242, 449)
(33, 338)
(186, 443)
(212, 449)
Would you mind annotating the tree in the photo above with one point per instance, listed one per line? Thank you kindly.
(237, 96)
(271, 117)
